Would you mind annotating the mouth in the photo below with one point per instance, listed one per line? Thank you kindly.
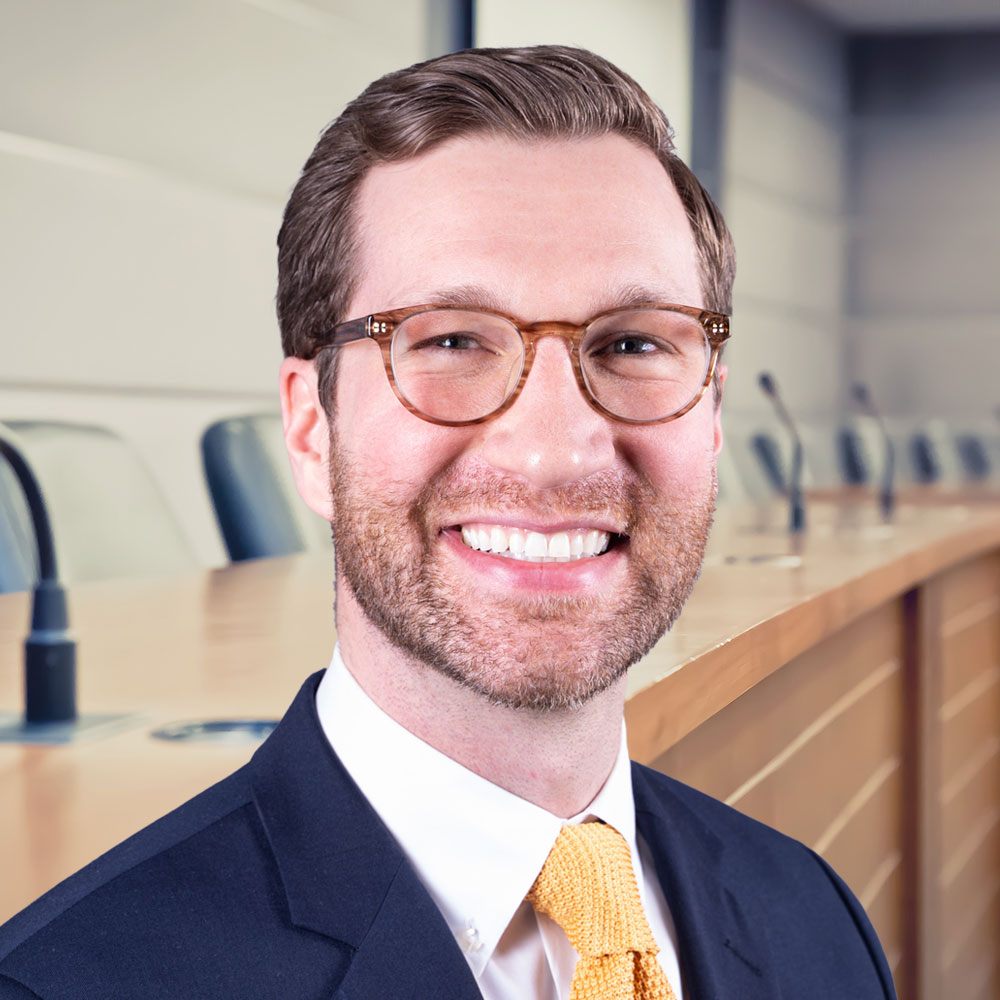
(526, 545)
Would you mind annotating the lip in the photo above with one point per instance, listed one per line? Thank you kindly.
(596, 574)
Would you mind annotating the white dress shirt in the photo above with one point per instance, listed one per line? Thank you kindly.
(478, 848)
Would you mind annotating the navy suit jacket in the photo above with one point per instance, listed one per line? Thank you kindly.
(282, 882)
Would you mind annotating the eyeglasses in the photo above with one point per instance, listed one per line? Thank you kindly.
(452, 365)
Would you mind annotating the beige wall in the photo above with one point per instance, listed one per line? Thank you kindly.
(783, 182)
(649, 39)
(925, 239)
(783, 194)
(858, 179)
(146, 150)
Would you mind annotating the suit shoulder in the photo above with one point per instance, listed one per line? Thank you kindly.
(785, 882)
(194, 817)
(761, 852)
(733, 827)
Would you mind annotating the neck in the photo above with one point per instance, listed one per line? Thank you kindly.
(559, 760)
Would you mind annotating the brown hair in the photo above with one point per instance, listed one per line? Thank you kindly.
(545, 92)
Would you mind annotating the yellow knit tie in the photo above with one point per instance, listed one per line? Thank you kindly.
(587, 886)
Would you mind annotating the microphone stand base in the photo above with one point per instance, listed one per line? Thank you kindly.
(778, 560)
(14, 729)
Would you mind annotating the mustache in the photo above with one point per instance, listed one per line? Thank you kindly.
(608, 495)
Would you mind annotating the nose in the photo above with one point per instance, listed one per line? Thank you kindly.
(551, 436)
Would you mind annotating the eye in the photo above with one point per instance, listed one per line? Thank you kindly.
(451, 342)
(459, 342)
(633, 344)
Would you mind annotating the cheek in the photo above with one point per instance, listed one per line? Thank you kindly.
(393, 454)
(676, 457)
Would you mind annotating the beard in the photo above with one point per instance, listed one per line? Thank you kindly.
(531, 652)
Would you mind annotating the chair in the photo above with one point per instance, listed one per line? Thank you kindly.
(258, 510)
(924, 458)
(108, 516)
(765, 453)
(855, 462)
(939, 453)
(768, 453)
(864, 444)
(973, 450)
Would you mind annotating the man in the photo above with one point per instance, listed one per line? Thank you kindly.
(502, 299)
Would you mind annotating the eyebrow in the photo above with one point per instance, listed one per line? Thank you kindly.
(472, 296)
(613, 297)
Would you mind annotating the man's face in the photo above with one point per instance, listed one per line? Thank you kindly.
(542, 231)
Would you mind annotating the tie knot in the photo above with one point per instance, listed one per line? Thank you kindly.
(588, 887)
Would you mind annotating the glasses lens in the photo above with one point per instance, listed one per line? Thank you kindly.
(456, 364)
(645, 364)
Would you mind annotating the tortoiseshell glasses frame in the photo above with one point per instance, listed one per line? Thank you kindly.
(381, 327)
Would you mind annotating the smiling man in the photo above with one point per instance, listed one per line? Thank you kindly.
(502, 298)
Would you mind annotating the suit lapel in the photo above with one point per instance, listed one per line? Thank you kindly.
(343, 874)
(345, 877)
(722, 940)
(408, 951)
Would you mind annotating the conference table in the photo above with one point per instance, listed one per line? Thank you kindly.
(842, 685)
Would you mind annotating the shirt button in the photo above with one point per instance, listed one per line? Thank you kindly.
(469, 939)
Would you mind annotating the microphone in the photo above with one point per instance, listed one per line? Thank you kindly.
(49, 652)
(796, 503)
(887, 490)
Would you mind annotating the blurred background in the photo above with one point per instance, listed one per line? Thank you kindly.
(147, 148)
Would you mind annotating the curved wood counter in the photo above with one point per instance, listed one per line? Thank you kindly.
(847, 692)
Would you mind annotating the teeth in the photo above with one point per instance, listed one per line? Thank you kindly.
(535, 546)
(595, 542)
(559, 547)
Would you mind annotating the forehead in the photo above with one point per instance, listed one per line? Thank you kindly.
(552, 229)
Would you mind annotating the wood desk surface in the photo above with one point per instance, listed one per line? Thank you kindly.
(238, 642)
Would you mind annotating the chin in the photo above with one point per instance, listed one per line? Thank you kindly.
(530, 651)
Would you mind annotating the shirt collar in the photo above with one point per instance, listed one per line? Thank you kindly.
(476, 847)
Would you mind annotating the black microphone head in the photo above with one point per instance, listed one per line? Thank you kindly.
(860, 394)
(766, 382)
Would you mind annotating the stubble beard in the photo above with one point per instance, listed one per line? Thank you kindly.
(539, 653)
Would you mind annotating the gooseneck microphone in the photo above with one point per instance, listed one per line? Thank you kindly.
(796, 501)
(49, 652)
(887, 487)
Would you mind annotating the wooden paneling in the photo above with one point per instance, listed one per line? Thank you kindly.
(812, 783)
(884, 903)
(970, 953)
(964, 734)
(970, 646)
(967, 879)
(968, 793)
(968, 587)
(815, 751)
(970, 796)
(751, 734)
(866, 830)
(880, 747)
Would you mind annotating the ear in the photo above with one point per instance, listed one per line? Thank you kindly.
(307, 434)
(722, 371)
